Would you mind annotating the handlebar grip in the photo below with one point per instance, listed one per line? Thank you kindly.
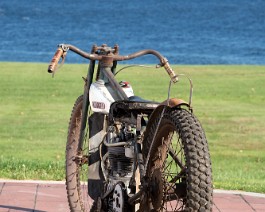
(54, 62)
(171, 73)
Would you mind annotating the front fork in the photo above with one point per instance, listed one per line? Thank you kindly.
(85, 106)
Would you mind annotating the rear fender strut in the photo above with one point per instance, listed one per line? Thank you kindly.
(169, 103)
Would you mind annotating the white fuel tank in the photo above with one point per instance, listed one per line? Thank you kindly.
(101, 96)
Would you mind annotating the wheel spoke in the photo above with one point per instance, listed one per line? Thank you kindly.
(174, 156)
(179, 176)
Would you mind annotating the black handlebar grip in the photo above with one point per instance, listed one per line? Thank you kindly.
(55, 60)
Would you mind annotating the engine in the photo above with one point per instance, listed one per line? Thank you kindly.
(121, 151)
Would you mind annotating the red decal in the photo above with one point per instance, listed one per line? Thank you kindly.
(99, 105)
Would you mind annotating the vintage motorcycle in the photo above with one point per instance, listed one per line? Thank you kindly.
(125, 153)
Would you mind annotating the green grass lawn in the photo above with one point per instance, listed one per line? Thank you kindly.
(228, 100)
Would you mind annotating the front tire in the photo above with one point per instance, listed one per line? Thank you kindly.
(179, 166)
(76, 164)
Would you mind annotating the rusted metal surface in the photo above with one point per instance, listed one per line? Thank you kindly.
(174, 102)
(106, 61)
(108, 56)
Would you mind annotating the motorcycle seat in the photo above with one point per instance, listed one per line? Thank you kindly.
(133, 103)
(141, 100)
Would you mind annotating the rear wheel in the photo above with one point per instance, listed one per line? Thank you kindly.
(76, 163)
(179, 166)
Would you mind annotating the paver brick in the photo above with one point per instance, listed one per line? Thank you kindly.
(50, 197)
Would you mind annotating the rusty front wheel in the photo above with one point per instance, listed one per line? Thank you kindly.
(179, 166)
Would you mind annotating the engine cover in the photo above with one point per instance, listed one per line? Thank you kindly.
(120, 164)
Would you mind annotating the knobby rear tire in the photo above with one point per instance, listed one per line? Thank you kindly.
(188, 175)
(76, 199)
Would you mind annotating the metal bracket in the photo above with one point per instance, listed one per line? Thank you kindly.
(191, 89)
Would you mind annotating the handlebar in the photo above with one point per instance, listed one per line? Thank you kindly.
(109, 56)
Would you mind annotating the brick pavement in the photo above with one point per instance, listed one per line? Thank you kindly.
(41, 196)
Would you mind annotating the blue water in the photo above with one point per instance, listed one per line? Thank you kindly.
(186, 32)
